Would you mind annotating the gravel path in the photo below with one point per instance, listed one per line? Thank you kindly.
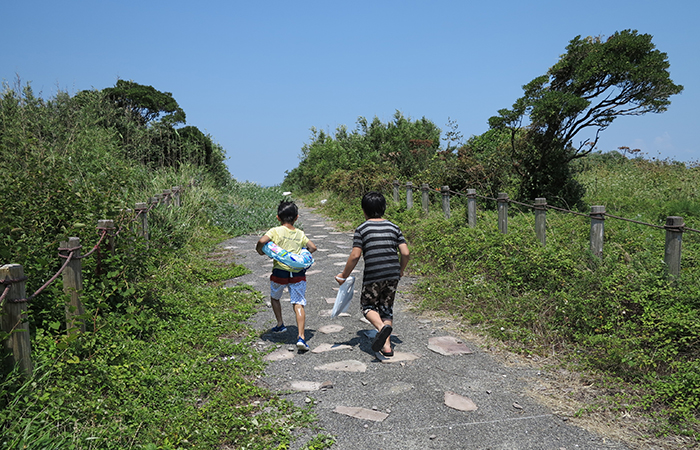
(437, 392)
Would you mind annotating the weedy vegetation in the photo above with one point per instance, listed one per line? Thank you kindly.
(166, 361)
(621, 318)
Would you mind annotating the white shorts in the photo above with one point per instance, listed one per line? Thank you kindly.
(297, 292)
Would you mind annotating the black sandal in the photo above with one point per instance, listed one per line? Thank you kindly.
(387, 354)
(380, 339)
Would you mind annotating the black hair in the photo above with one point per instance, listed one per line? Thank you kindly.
(374, 205)
(287, 212)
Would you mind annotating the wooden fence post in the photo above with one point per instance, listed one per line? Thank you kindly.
(409, 195)
(72, 285)
(541, 219)
(674, 237)
(141, 210)
(425, 199)
(167, 197)
(14, 318)
(176, 196)
(446, 201)
(471, 207)
(396, 191)
(597, 229)
(108, 226)
(502, 212)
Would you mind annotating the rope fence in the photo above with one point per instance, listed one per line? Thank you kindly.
(674, 227)
(14, 301)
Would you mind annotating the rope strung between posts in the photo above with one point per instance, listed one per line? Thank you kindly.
(681, 228)
(23, 300)
(69, 257)
(71, 250)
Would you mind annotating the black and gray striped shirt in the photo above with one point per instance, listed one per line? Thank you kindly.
(379, 241)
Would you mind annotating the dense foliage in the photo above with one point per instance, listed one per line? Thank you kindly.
(166, 361)
(621, 316)
(372, 155)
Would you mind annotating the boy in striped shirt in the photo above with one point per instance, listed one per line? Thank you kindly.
(380, 242)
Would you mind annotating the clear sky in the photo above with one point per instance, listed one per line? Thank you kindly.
(257, 76)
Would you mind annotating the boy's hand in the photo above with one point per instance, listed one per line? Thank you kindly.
(261, 243)
(339, 278)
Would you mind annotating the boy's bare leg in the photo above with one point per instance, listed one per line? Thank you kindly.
(376, 320)
(277, 309)
(301, 319)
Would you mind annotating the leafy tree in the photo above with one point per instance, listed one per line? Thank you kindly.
(593, 83)
(407, 145)
(146, 102)
(375, 151)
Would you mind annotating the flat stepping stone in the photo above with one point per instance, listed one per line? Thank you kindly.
(330, 300)
(448, 346)
(339, 263)
(338, 255)
(397, 358)
(459, 403)
(313, 272)
(361, 413)
(325, 347)
(400, 388)
(319, 225)
(318, 236)
(328, 329)
(350, 365)
(327, 313)
(309, 386)
(323, 250)
(279, 355)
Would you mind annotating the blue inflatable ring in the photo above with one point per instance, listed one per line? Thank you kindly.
(302, 260)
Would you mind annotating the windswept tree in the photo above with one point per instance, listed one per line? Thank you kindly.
(593, 83)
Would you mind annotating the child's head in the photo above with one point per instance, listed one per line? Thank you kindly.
(373, 205)
(287, 212)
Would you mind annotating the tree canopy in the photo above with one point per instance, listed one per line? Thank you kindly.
(146, 102)
(375, 153)
(593, 83)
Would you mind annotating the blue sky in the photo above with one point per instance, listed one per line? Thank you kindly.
(257, 76)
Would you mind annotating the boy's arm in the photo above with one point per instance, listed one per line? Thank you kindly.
(311, 246)
(403, 259)
(261, 243)
(354, 257)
